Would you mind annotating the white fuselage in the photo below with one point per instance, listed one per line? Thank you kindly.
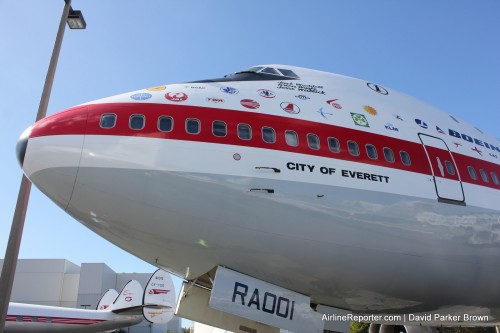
(351, 231)
(46, 319)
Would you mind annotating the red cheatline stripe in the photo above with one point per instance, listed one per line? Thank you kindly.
(57, 320)
(75, 121)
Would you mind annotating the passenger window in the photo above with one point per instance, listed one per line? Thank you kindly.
(313, 141)
(268, 135)
(333, 145)
(472, 172)
(353, 148)
(136, 122)
(291, 138)
(449, 167)
(484, 175)
(244, 132)
(389, 155)
(371, 151)
(405, 157)
(192, 126)
(219, 128)
(108, 120)
(165, 124)
(494, 177)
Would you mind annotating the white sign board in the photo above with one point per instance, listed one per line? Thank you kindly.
(263, 302)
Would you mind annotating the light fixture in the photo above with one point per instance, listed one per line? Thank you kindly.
(75, 19)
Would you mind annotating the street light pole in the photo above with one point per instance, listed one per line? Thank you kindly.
(16, 231)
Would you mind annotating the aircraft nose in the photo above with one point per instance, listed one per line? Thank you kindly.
(22, 144)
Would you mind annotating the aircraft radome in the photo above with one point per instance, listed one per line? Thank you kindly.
(278, 191)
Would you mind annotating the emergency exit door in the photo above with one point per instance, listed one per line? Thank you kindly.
(444, 170)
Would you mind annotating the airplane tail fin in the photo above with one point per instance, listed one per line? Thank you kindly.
(129, 299)
(159, 298)
(107, 299)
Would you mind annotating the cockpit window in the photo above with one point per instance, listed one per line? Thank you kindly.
(251, 70)
(269, 70)
(289, 73)
(257, 73)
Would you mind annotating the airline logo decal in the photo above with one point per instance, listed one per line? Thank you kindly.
(215, 100)
(229, 90)
(141, 96)
(302, 97)
(195, 87)
(457, 144)
(477, 151)
(266, 93)
(249, 103)
(391, 127)
(290, 107)
(159, 88)
(440, 131)
(398, 117)
(323, 114)
(421, 123)
(377, 88)
(176, 96)
(128, 295)
(333, 103)
(159, 291)
(359, 119)
(370, 110)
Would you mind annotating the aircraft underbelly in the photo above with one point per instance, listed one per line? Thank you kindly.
(350, 247)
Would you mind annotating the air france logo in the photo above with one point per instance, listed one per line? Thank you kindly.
(421, 123)
(379, 89)
(229, 90)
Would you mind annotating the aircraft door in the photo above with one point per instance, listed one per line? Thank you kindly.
(444, 170)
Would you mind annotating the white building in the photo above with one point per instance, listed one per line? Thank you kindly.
(59, 282)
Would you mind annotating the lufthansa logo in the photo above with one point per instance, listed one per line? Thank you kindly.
(377, 88)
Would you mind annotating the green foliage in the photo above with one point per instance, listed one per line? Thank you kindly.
(356, 327)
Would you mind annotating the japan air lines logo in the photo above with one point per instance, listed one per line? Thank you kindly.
(176, 96)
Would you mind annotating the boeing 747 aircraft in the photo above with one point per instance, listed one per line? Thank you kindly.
(282, 193)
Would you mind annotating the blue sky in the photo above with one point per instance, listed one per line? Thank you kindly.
(443, 52)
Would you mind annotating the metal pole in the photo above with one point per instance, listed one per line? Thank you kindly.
(16, 231)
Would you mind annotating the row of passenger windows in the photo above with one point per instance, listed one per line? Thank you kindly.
(484, 175)
(219, 129)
